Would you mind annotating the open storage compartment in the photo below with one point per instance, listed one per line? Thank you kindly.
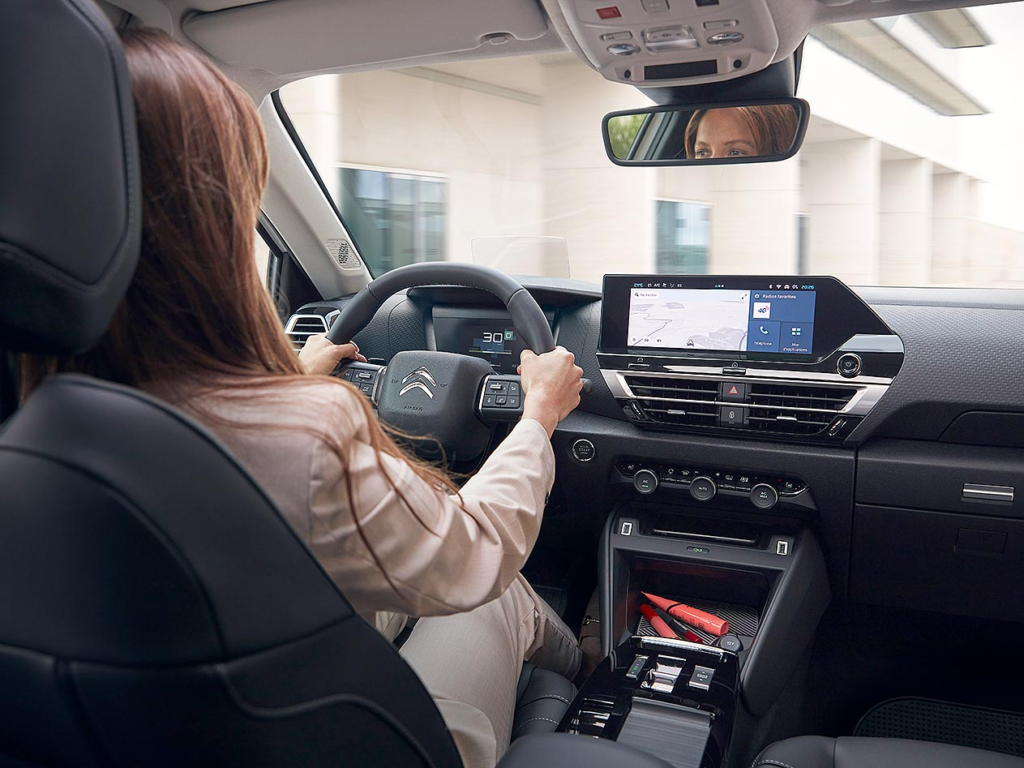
(736, 595)
(767, 577)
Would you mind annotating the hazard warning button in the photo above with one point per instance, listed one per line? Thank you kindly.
(734, 392)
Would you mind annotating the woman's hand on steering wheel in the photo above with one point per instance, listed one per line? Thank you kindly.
(552, 383)
(320, 356)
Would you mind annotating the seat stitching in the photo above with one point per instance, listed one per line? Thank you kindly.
(773, 761)
(548, 719)
(541, 698)
(758, 758)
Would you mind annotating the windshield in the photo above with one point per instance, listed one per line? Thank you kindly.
(911, 172)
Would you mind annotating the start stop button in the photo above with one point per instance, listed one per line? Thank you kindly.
(583, 450)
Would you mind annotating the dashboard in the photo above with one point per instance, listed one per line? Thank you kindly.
(887, 414)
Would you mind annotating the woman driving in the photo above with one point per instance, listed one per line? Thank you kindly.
(754, 131)
(198, 329)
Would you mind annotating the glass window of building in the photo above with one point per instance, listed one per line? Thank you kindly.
(395, 218)
(682, 237)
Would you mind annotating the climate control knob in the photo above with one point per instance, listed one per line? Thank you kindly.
(645, 481)
(703, 488)
(763, 496)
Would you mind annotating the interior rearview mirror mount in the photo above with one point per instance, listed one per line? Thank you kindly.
(716, 133)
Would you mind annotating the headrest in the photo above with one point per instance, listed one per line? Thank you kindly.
(70, 203)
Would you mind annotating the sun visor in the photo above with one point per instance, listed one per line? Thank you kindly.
(333, 35)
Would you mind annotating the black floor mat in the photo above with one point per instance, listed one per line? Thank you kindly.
(556, 597)
(947, 723)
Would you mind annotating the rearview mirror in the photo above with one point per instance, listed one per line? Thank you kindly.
(707, 134)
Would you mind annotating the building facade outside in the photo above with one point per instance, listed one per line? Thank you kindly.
(906, 177)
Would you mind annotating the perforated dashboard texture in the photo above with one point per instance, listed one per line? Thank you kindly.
(957, 358)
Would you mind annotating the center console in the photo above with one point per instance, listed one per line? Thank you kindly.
(770, 357)
(790, 360)
(678, 698)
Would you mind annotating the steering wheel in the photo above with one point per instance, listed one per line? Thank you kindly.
(452, 398)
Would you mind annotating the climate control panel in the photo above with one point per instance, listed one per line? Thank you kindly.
(702, 484)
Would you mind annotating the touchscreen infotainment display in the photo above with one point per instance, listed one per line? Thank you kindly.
(729, 320)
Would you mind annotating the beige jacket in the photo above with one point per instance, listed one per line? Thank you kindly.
(430, 555)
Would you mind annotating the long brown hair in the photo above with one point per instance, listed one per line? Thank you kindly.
(196, 311)
(772, 125)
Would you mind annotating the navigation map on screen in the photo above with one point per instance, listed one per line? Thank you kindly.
(720, 319)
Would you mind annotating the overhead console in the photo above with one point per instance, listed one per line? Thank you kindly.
(673, 42)
(776, 357)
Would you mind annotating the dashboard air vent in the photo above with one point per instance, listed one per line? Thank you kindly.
(795, 409)
(682, 402)
(301, 327)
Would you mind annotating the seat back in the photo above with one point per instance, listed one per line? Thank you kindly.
(159, 611)
(155, 609)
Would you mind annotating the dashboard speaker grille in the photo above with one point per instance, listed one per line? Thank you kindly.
(795, 409)
(683, 402)
(301, 327)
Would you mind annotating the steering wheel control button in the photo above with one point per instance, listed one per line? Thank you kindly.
(583, 450)
(703, 488)
(645, 481)
(501, 398)
(763, 496)
(849, 365)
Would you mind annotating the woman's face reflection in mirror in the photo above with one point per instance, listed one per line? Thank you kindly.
(740, 132)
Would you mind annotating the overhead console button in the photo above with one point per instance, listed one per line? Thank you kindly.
(721, 24)
(674, 38)
(655, 6)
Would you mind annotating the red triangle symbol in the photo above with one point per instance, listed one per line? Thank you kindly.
(733, 390)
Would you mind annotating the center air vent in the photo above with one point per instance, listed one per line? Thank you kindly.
(798, 408)
(684, 402)
(795, 409)
(301, 327)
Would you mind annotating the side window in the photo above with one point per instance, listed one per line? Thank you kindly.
(263, 255)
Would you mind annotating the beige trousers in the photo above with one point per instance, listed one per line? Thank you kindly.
(470, 663)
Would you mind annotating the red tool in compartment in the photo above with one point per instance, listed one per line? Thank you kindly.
(690, 615)
(666, 626)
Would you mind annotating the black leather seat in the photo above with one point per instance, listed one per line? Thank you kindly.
(156, 609)
(542, 698)
(822, 752)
